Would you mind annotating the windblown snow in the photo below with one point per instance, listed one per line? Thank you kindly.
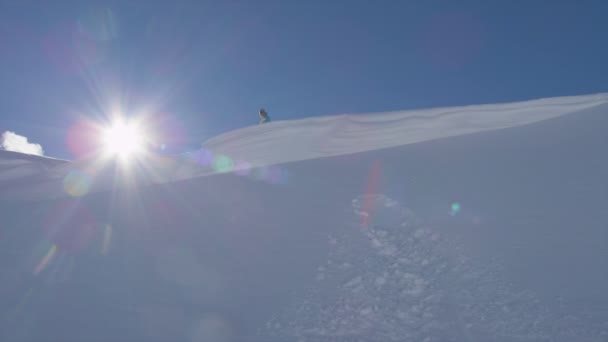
(477, 223)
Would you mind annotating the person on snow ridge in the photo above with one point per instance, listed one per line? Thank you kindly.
(264, 118)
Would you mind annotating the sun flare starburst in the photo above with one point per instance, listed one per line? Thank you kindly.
(125, 139)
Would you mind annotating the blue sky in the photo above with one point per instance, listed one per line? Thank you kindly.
(200, 68)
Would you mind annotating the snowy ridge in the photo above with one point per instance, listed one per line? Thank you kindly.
(289, 141)
(345, 134)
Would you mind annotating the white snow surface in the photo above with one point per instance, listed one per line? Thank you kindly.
(477, 223)
(296, 140)
(337, 135)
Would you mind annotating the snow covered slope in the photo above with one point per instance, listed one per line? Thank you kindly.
(337, 135)
(288, 141)
(351, 228)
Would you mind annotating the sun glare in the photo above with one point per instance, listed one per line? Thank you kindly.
(123, 139)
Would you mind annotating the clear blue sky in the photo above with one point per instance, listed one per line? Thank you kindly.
(208, 66)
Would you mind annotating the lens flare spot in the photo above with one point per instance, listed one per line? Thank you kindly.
(46, 260)
(242, 168)
(277, 175)
(77, 183)
(371, 188)
(223, 164)
(203, 157)
(107, 237)
(82, 139)
(455, 208)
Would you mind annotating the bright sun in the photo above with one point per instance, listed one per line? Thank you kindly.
(123, 139)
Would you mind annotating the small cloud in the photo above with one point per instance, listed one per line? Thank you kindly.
(10, 141)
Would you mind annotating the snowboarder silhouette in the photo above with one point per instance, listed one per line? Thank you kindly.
(264, 118)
